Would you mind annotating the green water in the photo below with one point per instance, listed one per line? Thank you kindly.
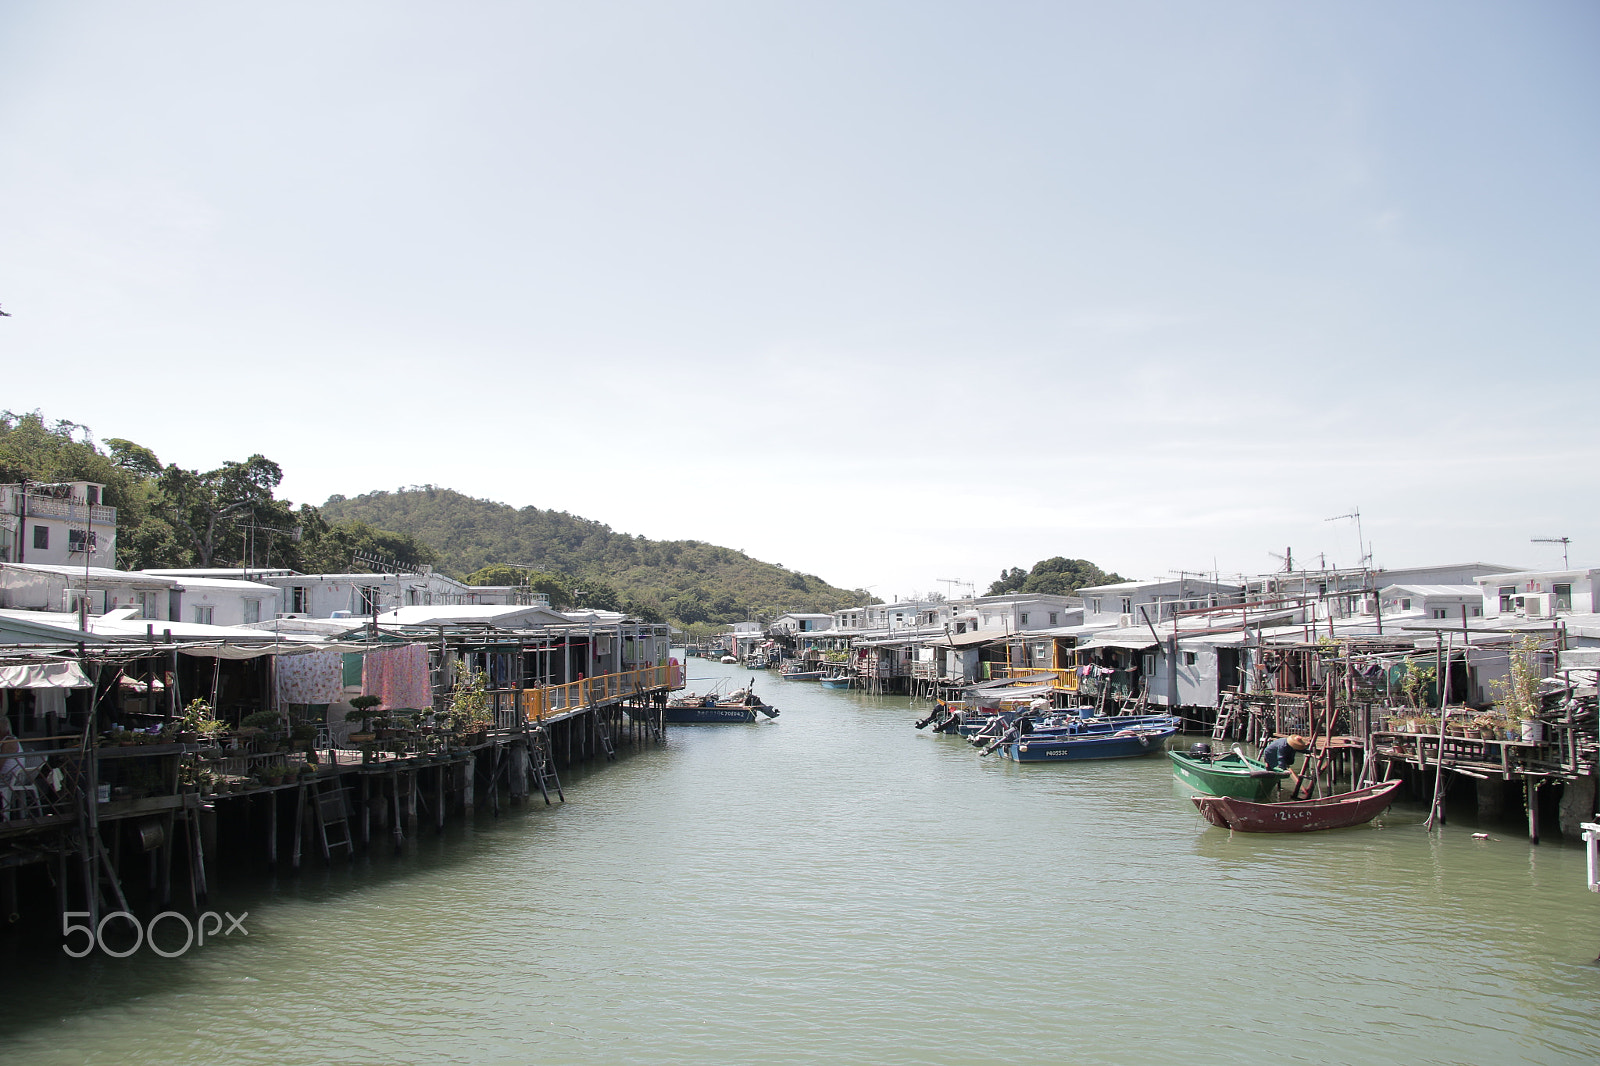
(837, 887)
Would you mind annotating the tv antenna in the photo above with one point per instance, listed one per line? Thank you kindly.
(1363, 549)
(954, 583)
(1563, 541)
(1287, 559)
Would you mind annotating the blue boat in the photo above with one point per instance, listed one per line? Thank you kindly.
(1066, 724)
(837, 681)
(1057, 747)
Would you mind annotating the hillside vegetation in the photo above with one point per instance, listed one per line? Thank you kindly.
(688, 581)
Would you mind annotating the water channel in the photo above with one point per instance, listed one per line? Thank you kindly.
(837, 887)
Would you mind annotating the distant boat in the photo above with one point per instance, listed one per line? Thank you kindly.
(836, 681)
(731, 660)
(1228, 774)
(800, 674)
(1298, 816)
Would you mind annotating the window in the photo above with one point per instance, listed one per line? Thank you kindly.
(91, 495)
(1094, 605)
(41, 538)
(1127, 605)
(1024, 617)
(1477, 612)
(202, 615)
(1440, 612)
(252, 610)
(1506, 594)
(961, 627)
(369, 599)
(299, 600)
(1405, 605)
(1055, 618)
(77, 537)
(1563, 597)
(1189, 658)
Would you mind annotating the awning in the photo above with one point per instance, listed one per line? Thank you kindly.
(44, 675)
(1130, 643)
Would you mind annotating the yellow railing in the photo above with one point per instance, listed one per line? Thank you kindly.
(543, 701)
(1062, 680)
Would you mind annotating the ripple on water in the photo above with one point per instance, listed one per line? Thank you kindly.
(836, 887)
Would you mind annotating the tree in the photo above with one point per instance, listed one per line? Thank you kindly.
(1010, 581)
(1056, 576)
(209, 509)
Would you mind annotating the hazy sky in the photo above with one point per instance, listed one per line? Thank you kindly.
(885, 292)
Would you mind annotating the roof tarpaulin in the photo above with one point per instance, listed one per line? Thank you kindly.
(1129, 643)
(255, 651)
(44, 675)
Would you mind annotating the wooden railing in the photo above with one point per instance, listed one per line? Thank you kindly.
(544, 701)
(1062, 680)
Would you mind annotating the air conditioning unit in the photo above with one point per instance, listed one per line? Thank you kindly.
(1537, 604)
(292, 614)
(1125, 620)
(97, 600)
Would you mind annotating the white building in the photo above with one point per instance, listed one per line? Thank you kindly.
(54, 587)
(1119, 603)
(57, 525)
(791, 624)
(343, 595)
(1017, 612)
(1540, 593)
(1433, 601)
(210, 601)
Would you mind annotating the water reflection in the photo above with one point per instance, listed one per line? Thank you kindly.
(835, 886)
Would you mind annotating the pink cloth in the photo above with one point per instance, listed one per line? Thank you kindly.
(398, 676)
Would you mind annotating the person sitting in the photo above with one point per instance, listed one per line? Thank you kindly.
(1279, 755)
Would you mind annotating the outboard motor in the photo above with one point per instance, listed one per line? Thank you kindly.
(1200, 750)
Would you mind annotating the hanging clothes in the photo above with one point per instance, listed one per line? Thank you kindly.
(399, 676)
(312, 677)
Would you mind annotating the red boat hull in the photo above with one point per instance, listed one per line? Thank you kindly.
(1304, 816)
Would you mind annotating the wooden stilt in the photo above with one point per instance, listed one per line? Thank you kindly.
(399, 833)
(272, 832)
(299, 827)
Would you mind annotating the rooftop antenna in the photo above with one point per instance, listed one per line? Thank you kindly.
(1363, 549)
(954, 583)
(1287, 559)
(1563, 541)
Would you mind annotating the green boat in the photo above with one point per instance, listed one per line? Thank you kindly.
(1226, 774)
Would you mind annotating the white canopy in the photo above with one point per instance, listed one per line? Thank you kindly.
(44, 675)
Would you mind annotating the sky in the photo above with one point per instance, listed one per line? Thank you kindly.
(896, 293)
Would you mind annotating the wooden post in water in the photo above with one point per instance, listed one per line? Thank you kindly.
(272, 834)
(1531, 799)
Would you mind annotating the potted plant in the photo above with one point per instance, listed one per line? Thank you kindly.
(363, 714)
(1519, 691)
(470, 712)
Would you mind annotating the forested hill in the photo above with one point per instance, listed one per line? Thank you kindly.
(688, 581)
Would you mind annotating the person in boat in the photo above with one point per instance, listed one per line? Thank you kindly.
(1280, 753)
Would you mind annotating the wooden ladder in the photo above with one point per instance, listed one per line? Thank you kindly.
(604, 734)
(333, 819)
(543, 764)
(1225, 720)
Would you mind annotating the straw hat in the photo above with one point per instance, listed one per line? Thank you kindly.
(1299, 743)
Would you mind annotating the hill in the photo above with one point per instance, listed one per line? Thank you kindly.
(688, 581)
